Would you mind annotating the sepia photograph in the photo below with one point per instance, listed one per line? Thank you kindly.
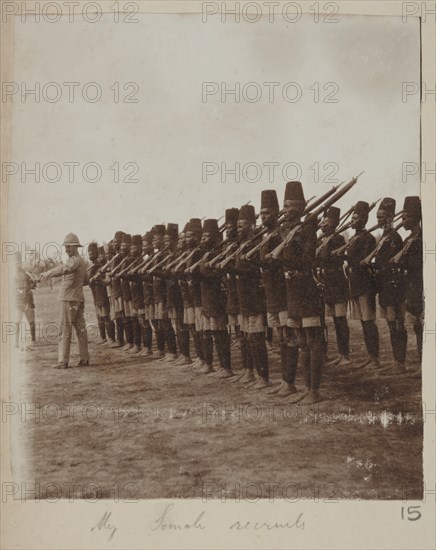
(217, 272)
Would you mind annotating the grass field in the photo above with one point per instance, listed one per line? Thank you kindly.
(142, 429)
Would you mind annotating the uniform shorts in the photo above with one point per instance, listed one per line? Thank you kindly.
(278, 319)
(160, 311)
(232, 320)
(393, 313)
(141, 311)
(149, 312)
(304, 322)
(128, 308)
(213, 323)
(119, 307)
(336, 310)
(198, 318)
(175, 313)
(252, 324)
(189, 315)
(102, 311)
(362, 308)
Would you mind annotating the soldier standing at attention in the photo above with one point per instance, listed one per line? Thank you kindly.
(232, 305)
(192, 291)
(137, 294)
(116, 293)
(251, 305)
(110, 327)
(99, 295)
(170, 307)
(304, 303)
(411, 259)
(147, 288)
(213, 304)
(74, 276)
(389, 282)
(362, 290)
(126, 294)
(273, 281)
(333, 278)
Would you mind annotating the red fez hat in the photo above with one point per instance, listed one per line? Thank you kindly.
(388, 204)
(231, 216)
(268, 199)
(210, 226)
(412, 205)
(172, 230)
(127, 239)
(333, 213)
(158, 230)
(247, 212)
(137, 240)
(294, 191)
(362, 208)
(194, 225)
(92, 246)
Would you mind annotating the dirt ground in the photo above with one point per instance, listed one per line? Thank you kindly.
(133, 428)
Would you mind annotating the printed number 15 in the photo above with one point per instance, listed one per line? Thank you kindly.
(412, 513)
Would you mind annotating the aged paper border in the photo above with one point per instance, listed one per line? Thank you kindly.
(347, 524)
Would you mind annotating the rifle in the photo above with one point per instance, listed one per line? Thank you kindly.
(126, 270)
(333, 197)
(373, 254)
(149, 261)
(160, 263)
(343, 227)
(396, 259)
(104, 268)
(258, 246)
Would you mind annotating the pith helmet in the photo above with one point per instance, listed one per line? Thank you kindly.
(71, 239)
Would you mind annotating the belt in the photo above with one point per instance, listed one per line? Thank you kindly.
(292, 273)
(331, 270)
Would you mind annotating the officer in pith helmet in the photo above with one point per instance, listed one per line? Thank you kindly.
(74, 277)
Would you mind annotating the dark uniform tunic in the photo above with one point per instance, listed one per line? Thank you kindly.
(98, 288)
(116, 282)
(389, 280)
(194, 280)
(125, 283)
(331, 271)
(412, 262)
(272, 276)
(213, 298)
(359, 276)
(303, 297)
(251, 297)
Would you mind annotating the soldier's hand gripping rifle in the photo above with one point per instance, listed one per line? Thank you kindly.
(373, 254)
(343, 227)
(281, 219)
(149, 262)
(311, 214)
(128, 271)
(104, 269)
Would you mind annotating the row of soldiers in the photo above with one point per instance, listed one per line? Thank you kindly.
(198, 286)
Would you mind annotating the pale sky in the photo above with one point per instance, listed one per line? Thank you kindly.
(170, 133)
